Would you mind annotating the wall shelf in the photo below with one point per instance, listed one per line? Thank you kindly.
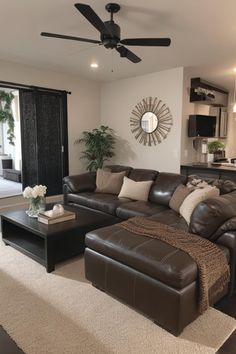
(204, 92)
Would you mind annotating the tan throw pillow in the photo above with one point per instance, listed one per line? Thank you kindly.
(108, 182)
(135, 190)
(178, 196)
(196, 197)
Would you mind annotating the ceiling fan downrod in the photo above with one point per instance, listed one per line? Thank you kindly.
(112, 8)
(111, 41)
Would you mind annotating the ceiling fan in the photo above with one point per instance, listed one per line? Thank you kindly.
(110, 33)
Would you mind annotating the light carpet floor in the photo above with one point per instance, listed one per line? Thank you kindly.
(61, 313)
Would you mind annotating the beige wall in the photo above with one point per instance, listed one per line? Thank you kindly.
(83, 103)
(118, 100)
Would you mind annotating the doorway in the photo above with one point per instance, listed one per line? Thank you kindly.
(38, 151)
(10, 143)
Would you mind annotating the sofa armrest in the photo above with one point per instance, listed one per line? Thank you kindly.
(85, 182)
(213, 214)
(228, 239)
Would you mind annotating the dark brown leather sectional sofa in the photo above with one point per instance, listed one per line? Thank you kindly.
(149, 275)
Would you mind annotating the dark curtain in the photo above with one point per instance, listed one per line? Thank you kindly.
(44, 138)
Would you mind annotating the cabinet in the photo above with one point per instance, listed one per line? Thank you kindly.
(44, 138)
(221, 121)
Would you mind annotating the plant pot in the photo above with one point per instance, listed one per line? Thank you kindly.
(219, 155)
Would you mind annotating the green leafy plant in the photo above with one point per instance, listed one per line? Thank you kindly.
(6, 115)
(99, 144)
(215, 146)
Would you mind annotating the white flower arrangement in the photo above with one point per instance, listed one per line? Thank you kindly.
(35, 192)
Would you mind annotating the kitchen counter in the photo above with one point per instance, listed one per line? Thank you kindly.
(209, 170)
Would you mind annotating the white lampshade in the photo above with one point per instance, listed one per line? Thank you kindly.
(234, 107)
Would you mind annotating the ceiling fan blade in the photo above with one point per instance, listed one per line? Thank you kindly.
(62, 36)
(126, 53)
(152, 42)
(93, 18)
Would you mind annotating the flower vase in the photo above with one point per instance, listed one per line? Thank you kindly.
(36, 205)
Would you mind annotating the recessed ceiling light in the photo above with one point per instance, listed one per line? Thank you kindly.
(234, 69)
(94, 65)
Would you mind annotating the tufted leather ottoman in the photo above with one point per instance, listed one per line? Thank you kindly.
(147, 274)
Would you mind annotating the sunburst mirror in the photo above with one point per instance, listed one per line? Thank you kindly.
(151, 121)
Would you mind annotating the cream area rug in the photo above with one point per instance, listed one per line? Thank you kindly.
(62, 313)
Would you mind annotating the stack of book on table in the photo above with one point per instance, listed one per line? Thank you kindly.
(49, 217)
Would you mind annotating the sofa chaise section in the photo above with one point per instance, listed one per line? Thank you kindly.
(147, 274)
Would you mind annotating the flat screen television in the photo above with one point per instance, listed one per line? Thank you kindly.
(201, 125)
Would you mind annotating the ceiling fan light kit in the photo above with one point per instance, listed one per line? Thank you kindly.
(94, 65)
(110, 33)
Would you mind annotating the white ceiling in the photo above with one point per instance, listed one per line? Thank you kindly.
(203, 34)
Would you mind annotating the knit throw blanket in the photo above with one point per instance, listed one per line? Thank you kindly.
(213, 269)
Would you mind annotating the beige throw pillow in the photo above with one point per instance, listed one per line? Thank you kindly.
(178, 196)
(135, 190)
(108, 182)
(196, 197)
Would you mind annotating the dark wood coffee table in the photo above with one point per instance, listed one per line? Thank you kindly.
(50, 244)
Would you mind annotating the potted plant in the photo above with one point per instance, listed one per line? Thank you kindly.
(217, 148)
(99, 144)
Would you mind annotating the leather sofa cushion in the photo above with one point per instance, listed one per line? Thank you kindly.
(138, 208)
(170, 217)
(152, 257)
(107, 203)
(164, 187)
(211, 214)
(85, 182)
(139, 174)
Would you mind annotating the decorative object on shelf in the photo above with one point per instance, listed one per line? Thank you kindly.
(204, 92)
(37, 199)
(151, 121)
(217, 148)
(99, 144)
(6, 115)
